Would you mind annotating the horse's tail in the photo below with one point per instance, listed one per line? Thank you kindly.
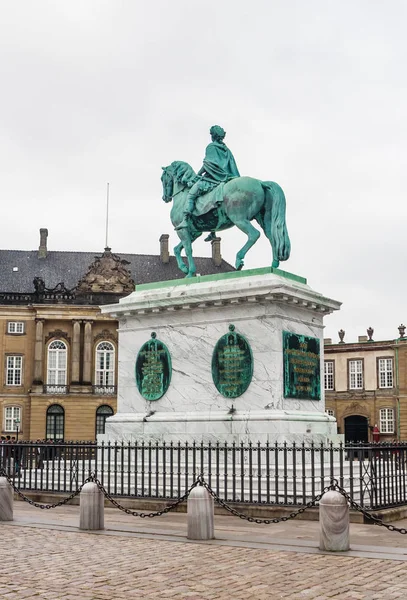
(274, 220)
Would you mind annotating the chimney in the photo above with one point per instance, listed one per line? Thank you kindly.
(216, 255)
(362, 338)
(164, 252)
(42, 250)
(327, 341)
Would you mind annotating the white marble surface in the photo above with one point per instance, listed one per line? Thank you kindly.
(244, 426)
(224, 289)
(190, 319)
(333, 522)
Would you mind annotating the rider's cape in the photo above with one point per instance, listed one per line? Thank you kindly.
(219, 163)
(220, 167)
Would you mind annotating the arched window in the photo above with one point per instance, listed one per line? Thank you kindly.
(101, 415)
(104, 368)
(56, 372)
(55, 422)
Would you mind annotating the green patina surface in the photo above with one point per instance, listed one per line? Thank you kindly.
(220, 277)
(153, 369)
(232, 364)
(302, 367)
(237, 202)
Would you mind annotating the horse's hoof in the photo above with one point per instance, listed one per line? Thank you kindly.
(184, 269)
(239, 265)
(190, 275)
(275, 264)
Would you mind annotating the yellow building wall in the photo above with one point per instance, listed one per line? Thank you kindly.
(369, 367)
(80, 415)
(79, 404)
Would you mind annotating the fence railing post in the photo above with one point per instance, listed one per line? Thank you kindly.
(6, 500)
(333, 522)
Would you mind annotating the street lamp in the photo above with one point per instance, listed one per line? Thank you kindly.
(16, 425)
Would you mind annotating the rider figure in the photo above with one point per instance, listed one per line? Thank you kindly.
(218, 166)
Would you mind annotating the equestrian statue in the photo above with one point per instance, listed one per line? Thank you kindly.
(218, 198)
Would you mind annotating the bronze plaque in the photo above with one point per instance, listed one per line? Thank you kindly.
(153, 369)
(232, 364)
(302, 366)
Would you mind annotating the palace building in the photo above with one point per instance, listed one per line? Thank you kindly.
(59, 352)
(366, 385)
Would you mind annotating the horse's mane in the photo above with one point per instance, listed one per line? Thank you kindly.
(183, 172)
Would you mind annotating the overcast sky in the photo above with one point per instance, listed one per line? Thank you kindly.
(312, 95)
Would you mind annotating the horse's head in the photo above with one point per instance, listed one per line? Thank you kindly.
(167, 180)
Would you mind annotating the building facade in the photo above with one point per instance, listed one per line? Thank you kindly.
(366, 386)
(59, 378)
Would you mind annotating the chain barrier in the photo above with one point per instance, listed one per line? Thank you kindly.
(134, 513)
(201, 481)
(25, 498)
(92, 479)
(335, 486)
(258, 520)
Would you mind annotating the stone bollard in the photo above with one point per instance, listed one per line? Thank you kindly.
(333, 522)
(6, 500)
(92, 507)
(200, 511)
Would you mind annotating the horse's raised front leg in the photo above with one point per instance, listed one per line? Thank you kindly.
(252, 236)
(177, 253)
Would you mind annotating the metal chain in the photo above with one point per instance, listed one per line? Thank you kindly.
(258, 520)
(38, 504)
(335, 486)
(134, 513)
(201, 481)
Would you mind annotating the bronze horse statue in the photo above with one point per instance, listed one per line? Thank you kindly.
(234, 203)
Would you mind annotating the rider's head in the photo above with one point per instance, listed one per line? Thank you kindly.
(217, 132)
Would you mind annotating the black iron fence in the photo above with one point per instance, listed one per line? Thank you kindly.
(269, 474)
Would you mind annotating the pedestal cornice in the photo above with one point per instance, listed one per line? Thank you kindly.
(208, 292)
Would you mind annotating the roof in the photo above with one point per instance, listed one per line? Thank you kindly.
(19, 267)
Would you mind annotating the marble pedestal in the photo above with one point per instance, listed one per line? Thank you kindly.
(189, 317)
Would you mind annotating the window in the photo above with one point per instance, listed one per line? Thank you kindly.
(55, 422)
(14, 369)
(330, 412)
(104, 375)
(385, 372)
(101, 415)
(15, 327)
(329, 374)
(12, 414)
(386, 420)
(57, 355)
(356, 374)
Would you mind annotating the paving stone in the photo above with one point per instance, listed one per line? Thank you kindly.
(72, 565)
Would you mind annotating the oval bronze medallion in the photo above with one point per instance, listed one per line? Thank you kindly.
(153, 369)
(232, 364)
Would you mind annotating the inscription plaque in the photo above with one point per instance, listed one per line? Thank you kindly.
(232, 364)
(153, 369)
(302, 367)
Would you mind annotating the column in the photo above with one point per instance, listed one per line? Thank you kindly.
(76, 351)
(38, 352)
(87, 354)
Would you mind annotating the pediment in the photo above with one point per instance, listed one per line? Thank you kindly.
(107, 274)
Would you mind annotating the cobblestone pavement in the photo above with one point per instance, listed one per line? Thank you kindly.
(45, 556)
